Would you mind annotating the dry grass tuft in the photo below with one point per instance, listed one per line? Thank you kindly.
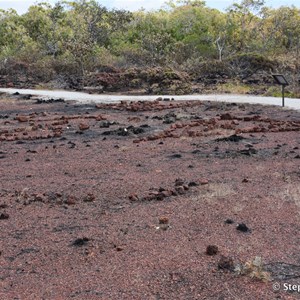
(254, 269)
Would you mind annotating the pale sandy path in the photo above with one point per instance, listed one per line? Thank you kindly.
(102, 98)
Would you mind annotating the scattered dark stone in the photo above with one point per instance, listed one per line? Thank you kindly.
(52, 196)
(242, 227)
(159, 196)
(226, 116)
(39, 198)
(175, 156)
(31, 151)
(167, 193)
(106, 124)
(16, 94)
(125, 131)
(168, 121)
(193, 184)
(51, 100)
(229, 221)
(89, 198)
(212, 250)
(157, 118)
(3, 205)
(232, 138)
(4, 216)
(133, 197)
(26, 97)
(160, 143)
(191, 166)
(249, 146)
(245, 180)
(72, 145)
(196, 151)
(186, 187)
(297, 156)
(80, 242)
(226, 264)
(27, 251)
(174, 193)
(179, 182)
(136, 130)
(248, 152)
(120, 131)
(148, 198)
(180, 190)
(27, 159)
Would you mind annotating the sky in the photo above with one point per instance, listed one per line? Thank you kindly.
(21, 6)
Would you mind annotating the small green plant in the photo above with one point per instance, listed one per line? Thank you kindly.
(253, 269)
(275, 91)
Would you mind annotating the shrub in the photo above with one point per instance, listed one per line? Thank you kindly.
(253, 269)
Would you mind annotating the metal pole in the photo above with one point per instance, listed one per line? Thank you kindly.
(283, 95)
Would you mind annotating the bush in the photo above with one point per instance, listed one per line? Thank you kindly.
(246, 64)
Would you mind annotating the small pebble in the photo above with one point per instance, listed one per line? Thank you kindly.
(242, 227)
(4, 216)
(212, 250)
(229, 221)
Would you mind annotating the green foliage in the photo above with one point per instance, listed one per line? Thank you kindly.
(78, 36)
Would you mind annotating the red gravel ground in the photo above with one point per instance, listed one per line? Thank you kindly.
(121, 201)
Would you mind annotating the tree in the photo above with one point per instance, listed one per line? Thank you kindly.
(14, 37)
(243, 23)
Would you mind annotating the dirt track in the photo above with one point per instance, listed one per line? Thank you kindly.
(85, 98)
(121, 201)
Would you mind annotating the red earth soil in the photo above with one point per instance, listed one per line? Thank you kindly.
(148, 200)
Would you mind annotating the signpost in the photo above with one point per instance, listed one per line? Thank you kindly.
(280, 79)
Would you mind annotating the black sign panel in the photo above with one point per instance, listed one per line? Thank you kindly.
(280, 79)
